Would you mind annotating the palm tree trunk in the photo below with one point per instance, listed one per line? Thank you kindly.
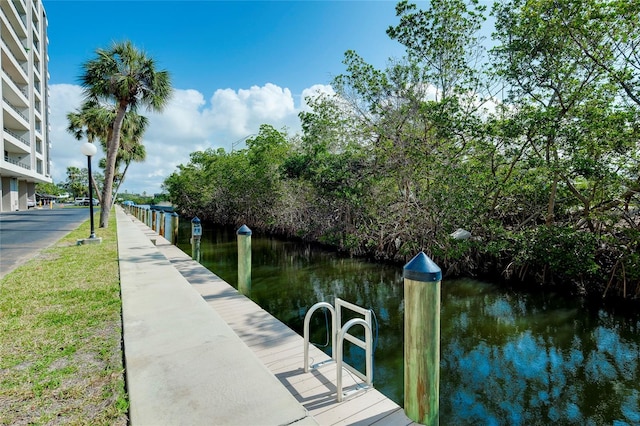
(115, 193)
(109, 171)
(96, 190)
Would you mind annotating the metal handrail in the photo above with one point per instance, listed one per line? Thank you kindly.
(15, 135)
(17, 163)
(366, 345)
(307, 319)
(13, 54)
(21, 86)
(13, 107)
(21, 16)
(340, 334)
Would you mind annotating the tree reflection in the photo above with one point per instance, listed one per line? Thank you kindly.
(511, 365)
(506, 359)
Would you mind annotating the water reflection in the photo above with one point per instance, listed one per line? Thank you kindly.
(521, 360)
(506, 359)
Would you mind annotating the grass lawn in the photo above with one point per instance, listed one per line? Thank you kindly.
(61, 334)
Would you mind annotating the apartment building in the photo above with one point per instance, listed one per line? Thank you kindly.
(25, 102)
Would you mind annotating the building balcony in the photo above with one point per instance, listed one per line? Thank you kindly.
(18, 140)
(36, 50)
(18, 94)
(20, 112)
(16, 16)
(15, 44)
(12, 66)
(18, 163)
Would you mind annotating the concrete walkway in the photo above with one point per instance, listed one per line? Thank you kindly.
(184, 364)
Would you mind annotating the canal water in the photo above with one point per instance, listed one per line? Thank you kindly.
(506, 358)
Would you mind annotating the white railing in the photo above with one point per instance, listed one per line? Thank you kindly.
(21, 87)
(6, 101)
(16, 162)
(339, 334)
(15, 135)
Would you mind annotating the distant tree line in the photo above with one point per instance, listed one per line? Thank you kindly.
(533, 147)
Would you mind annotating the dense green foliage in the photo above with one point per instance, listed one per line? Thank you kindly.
(533, 147)
(49, 188)
(77, 183)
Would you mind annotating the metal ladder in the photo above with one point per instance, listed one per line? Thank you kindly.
(340, 333)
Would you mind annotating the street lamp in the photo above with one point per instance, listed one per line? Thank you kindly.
(90, 150)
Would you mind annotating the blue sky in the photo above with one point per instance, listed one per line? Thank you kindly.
(234, 65)
(208, 45)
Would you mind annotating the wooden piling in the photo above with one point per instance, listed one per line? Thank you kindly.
(196, 234)
(244, 260)
(161, 231)
(174, 228)
(422, 279)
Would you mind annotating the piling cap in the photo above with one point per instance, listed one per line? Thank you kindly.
(423, 269)
(195, 220)
(244, 230)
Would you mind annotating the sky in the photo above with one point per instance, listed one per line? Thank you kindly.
(234, 65)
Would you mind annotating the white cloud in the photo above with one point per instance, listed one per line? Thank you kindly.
(65, 151)
(187, 124)
(241, 113)
(313, 92)
(181, 118)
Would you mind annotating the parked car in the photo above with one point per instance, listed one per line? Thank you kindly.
(31, 202)
(84, 201)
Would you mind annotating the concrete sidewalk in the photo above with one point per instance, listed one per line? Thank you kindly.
(184, 364)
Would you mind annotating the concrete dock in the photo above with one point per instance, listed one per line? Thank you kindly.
(198, 352)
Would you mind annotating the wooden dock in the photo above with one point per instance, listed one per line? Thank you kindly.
(281, 351)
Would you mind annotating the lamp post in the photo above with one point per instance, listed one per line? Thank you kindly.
(90, 150)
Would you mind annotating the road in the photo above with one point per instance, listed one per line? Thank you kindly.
(24, 234)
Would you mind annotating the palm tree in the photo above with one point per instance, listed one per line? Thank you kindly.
(91, 120)
(95, 121)
(125, 77)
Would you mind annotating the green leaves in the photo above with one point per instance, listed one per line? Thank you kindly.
(575, 119)
(123, 78)
(399, 158)
(241, 186)
(443, 39)
(95, 121)
(564, 251)
(126, 75)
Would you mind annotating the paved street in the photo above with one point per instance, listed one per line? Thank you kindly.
(24, 234)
